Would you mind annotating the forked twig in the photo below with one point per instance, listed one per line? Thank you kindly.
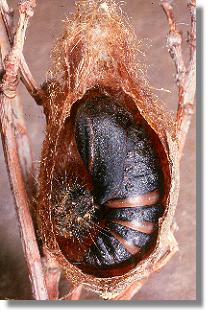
(24, 150)
(28, 80)
(8, 100)
(185, 75)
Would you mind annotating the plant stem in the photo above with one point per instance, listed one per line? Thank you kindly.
(17, 147)
(185, 75)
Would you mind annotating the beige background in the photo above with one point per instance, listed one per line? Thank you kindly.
(177, 280)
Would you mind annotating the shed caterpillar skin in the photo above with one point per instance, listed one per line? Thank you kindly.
(114, 221)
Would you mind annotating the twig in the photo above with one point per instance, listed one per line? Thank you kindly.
(185, 75)
(23, 145)
(7, 15)
(27, 78)
(8, 99)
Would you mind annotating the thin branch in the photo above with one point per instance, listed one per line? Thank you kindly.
(8, 99)
(26, 76)
(12, 64)
(7, 15)
(185, 76)
(23, 145)
(174, 41)
(192, 34)
(4, 41)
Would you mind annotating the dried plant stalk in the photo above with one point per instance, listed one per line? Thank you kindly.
(28, 80)
(24, 149)
(185, 76)
(16, 147)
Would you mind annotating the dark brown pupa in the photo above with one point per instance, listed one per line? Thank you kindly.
(96, 74)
